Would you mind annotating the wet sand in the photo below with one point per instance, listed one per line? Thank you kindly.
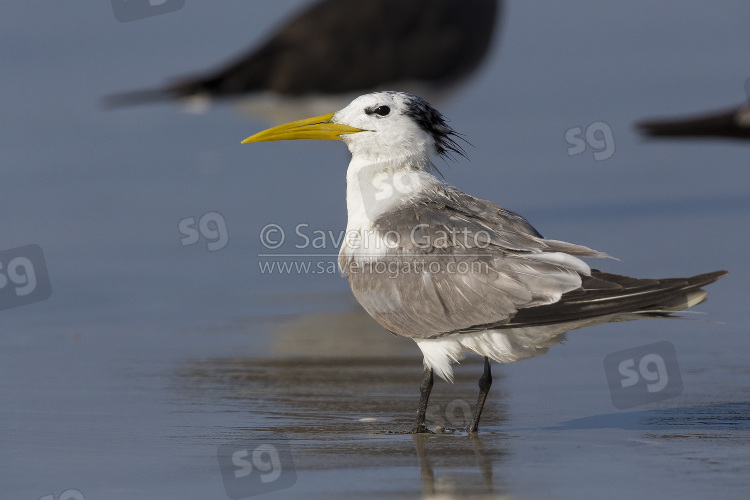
(693, 445)
(146, 416)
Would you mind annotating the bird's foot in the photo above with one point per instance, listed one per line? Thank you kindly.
(421, 429)
(449, 430)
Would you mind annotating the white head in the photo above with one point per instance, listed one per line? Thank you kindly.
(391, 136)
(395, 125)
(376, 127)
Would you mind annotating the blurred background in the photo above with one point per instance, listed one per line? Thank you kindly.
(134, 370)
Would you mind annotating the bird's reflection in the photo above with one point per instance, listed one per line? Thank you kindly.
(337, 49)
(334, 403)
(431, 455)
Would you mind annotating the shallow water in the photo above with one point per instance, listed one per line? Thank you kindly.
(150, 356)
(136, 417)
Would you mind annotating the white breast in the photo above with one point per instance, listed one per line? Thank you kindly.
(373, 189)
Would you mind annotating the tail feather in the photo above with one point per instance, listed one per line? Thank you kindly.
(603, 293)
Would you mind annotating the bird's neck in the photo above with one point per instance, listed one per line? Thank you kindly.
(376, 187)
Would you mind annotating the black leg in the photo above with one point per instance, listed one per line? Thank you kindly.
(484, 388)
(425, 387)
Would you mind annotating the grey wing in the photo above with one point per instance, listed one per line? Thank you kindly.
(507, 226)
(461, 262)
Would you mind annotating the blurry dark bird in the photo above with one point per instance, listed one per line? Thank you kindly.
(733, 123)
(337, 49)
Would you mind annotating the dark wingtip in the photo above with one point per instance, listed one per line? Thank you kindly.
(707, 278)
(652, 128)
(722, 124)
(674, 128)
(136, 97)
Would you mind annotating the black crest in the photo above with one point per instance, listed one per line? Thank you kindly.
(435, 124)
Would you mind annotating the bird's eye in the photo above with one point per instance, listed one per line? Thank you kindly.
(380, 110)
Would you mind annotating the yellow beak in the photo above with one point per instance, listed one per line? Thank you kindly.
(319, 127)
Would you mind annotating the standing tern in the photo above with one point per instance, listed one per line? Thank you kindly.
(456, 273)
(337, 49)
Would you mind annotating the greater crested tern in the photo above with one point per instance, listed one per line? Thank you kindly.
(456, 273)
(732, 123)
(337, 49)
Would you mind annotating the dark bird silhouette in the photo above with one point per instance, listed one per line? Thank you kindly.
(733, 124)
(341, 47)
